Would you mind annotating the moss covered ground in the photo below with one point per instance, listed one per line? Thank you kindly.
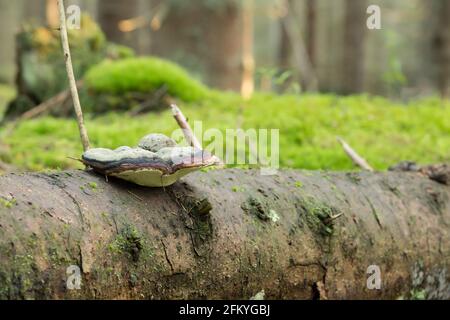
(383, 131)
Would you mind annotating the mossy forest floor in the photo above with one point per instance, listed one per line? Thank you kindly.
(384, 132)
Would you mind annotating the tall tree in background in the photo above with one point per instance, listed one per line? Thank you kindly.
(9, 24)
(303, 66)
(205, 36)
(441, 47)
(248, 60)
(51, 13)
(111, 13)
(34, 11)
(354, 35)
(311, 13)
(284, 46)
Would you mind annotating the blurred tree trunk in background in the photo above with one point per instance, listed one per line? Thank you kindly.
(248, 60)
(311, 14)
(441, 47)
(284, 47)
(9, 24)
(205, 38)
(35, 11)
(143, 45)
(111, 13)
(51, 13)
(354, 36)
(304, 69)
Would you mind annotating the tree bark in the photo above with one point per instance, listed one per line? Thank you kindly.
(224, 234)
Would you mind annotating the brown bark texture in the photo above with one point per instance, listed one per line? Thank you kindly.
(224, 234)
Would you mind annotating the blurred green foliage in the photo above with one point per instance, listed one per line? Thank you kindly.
(42, 71)
(7, 93)
(384, 132)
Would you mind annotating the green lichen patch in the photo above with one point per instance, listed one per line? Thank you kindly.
(129, 242)
(201, 207)
(318, 216)
(90, 188)
(93, 185)
(418, 294)
(258, 207)
(8, 203)
(299, 184)
(353, 177)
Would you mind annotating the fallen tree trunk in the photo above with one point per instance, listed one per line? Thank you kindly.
(224, 234)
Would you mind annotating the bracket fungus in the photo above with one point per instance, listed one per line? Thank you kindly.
(157, 161)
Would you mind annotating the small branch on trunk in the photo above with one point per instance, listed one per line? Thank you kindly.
(73, 87)
(191, 139)
(41, 108)
(48, 104)
(356, 158)
(152, 102)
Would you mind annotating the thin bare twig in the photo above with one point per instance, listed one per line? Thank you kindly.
(45, 106)
(72, 83)
(356, 158)
(48, 104)
(191, 139)
(156, 98)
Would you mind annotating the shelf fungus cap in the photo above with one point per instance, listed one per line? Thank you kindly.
(157, 161)
(156, 141)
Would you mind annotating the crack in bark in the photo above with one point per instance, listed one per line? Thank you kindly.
(167, 256)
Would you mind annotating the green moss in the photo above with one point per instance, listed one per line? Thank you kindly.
(298, 184)
(383, 131)
(257, 207)
(129, 241)
(8, 203)
(144, 75)
(354, 177)
(7, 93)
(237, 189)
(24, 273)
(319, 216)
(416, 294)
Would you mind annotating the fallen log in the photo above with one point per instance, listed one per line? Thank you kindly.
(224, 234)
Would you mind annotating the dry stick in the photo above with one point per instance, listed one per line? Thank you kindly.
(49, 104)
(191, 139)
(72, 83)
(38, 110)
(356, 158)
(156, 97)
(45, 106)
